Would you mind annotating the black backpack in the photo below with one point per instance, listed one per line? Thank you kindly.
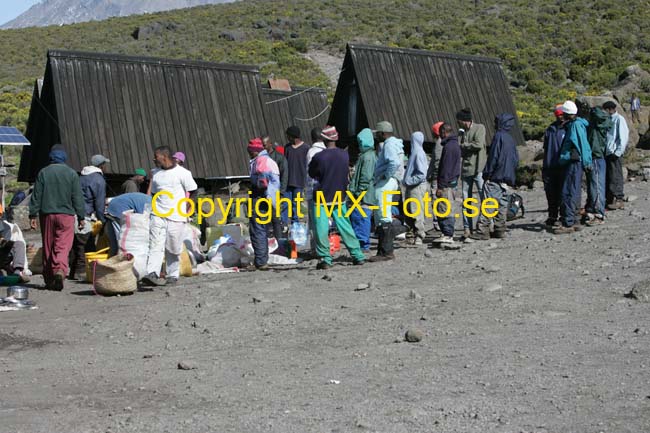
(515, 206)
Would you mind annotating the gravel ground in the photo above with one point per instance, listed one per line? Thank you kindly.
(527, 334)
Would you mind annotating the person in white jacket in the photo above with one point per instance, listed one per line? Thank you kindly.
(617, 139)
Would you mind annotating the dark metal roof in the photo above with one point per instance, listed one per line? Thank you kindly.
(123, 107)
(304, 108)
(412, 89)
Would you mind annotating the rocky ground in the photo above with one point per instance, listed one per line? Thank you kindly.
(532, 333)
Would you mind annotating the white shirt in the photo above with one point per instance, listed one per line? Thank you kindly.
(177, 181)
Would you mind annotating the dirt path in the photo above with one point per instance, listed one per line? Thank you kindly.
(527, 334)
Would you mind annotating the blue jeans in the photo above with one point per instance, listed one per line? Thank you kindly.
(468, 184)
(447, 224)
(291, 194)
(361, 226)
(596, 187)
(571, 190)
(259, 235)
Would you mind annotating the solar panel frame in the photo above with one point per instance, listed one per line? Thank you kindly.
(10, 136)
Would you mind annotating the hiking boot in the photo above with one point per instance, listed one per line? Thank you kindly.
(264, 267)
(595, 222)
(57, 281)
(358, 262)
(444, 240)
(153, 280)
(551, 222)
(323, 266)
(467, 233)
(171, 281)
(381, 258)
(498, 234)
(614, 205)
(620, 204)
(480, 236)
(418, 241)
(562, 230)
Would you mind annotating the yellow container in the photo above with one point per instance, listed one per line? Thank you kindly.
(96, 256)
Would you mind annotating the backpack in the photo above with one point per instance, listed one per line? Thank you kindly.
(515, 205)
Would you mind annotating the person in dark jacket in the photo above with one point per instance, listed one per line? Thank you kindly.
(448, 174)
(56, 199)
(498, 176)
(296, 154)
(93, 187)
(330, 169)
(552, 171)
(599, 125)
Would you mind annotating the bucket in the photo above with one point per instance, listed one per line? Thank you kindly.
(335, 243)
(96, 256)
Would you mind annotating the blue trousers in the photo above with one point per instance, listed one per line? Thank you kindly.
(291, 194)
(571, 191)
(596, 187)
(259, 236)
(361, 226)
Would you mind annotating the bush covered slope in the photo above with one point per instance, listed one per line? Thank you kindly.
(551, 49)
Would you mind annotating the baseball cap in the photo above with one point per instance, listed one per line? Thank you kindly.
(179, 156)
(383, 126)
(98, 160)
(569, 107)
(140, 172)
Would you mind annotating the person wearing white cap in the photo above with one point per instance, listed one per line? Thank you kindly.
(93, 188)
(575, 157)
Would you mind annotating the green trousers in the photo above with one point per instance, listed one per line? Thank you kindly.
(321, 228)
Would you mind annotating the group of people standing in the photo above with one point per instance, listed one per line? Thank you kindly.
(381, 170)
(68, 205)
(574, 145)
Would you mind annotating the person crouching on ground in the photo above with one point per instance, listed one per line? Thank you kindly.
(12, 252)
(363, 182)
(265, 184)
(448, 174)
(56, 199)
(498, 176)
(167, 225)
(330, 169)
(575, 157)
(389, 172)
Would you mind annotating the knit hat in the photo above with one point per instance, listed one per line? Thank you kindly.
(293, 131)
(383, 126)
(179, 156)
(558, 111)
(464, 115)
(569, 107)
(329, 133)
(435, 128)
(255, 145)
(140, 172)
(98, 160)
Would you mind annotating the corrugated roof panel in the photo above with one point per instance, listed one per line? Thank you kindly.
(124, 107)
(414, 88)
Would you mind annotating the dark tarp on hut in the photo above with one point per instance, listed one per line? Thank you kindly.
(413, 89)
(123, 107)
(305, 108)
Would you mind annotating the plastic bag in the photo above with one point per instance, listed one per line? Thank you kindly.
(298, 234)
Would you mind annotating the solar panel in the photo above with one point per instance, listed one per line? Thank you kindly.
(10, 136)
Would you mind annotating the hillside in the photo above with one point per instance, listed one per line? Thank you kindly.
(57, 12)
(551, 50)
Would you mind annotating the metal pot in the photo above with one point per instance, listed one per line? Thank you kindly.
(18, 292)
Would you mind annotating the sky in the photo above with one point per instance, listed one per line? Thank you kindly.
(10, 9)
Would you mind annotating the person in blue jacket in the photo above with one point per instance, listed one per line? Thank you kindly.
(499, 176)
(575, 157)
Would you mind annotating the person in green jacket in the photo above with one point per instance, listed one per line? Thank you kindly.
(363, 181)
(56, 199)
(599, 125)
(471, 136)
